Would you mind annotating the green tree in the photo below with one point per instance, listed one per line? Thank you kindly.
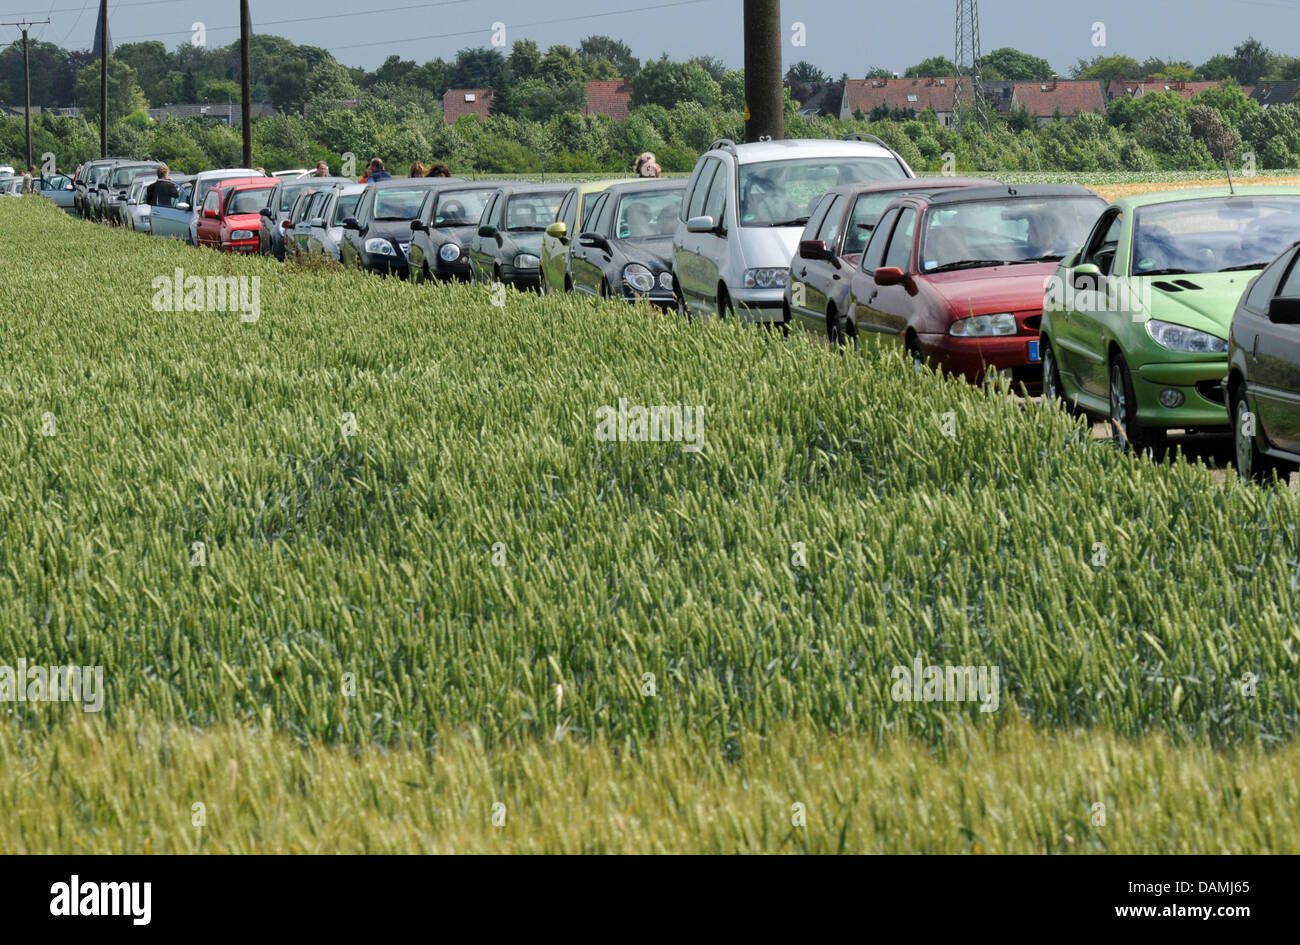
(666, 83)
(478, 68)
(613, 51)
(879, 72)
(152, 64)
(1208, 126)
(525, 60)
(561, 66)
(1106, 68)
(1250, 61)
(934, 66)
(804, 71)
(124, 95)
(1009, 63)
(1217, 67)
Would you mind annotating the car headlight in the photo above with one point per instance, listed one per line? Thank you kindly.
(527, 261)
(1181, 338)
(380, 247)
(666, 281)
(449, 252)
(638, 277)
(984, 326)
(242, 235)
(766, 278)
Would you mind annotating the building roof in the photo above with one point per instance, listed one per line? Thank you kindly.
(1073, 97)
(612, 97)
(230, 112)
(458, 102)
(1133, 88)
(1275, 93)
(916, 94)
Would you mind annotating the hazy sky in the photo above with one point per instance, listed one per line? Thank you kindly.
(841, 36)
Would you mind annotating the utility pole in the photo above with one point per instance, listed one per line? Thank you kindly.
(27, 83)
(103, 79)
(969, 91)
(764, 93)
(245, 32)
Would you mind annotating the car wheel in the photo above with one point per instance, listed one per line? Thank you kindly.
(1129, 434)
(605, 293)
(1053, 391)
(839, 330)
(915, 354)
(725, 308)
(543, 285)
(1252, 465)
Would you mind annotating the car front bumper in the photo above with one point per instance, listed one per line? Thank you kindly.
(973, 358)
(1201, 384)
(760, 305)
(522, 278)
(384, 265)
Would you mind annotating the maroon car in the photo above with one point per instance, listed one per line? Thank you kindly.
(832, 243)
(958, 276)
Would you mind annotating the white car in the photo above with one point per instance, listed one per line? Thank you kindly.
(744, 208)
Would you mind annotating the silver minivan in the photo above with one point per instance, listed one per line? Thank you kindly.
(744, 208)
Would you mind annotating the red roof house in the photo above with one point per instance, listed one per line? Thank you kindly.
(612, 97)
(458, 102)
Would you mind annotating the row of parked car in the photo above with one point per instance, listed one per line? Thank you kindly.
(1177, 310)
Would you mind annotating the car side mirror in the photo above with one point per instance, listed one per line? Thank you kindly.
(1284, 311)
(286, 224)
(594, 241)
(1087, 278)
(701, 225)
(351, 223)
(889, 275)
(266, 212)
(557, 230)
(419, 226)
(813, 249)
(210, 214)
(488, 231)
(316, 222)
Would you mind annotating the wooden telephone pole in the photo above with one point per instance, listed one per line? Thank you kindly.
(27, 82)
(764, 92)
(245, 32)
(103, 79)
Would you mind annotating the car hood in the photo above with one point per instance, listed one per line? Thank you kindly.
(657, 254)
(995, 289)
(517, 242)
(1204, 301)
(243, 221)
(763, 247)
(460, 235)
(399, 230)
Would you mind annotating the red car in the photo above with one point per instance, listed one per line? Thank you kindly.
(832, 243)
(231, 217)
(958, 276)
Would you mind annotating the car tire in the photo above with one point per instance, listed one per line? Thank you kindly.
(1252, 465)
(725, 308)
(839, 330)
(1131, 436)
(1053, 389)
(916, 354)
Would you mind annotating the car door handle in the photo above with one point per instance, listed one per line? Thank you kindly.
(1254, 348)
(803, 271)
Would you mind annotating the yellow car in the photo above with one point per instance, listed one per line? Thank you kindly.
(574, 207)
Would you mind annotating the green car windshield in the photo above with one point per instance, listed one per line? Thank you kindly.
(975, 233)
(1213, 234)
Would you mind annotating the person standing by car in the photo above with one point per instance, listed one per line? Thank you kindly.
(439, 170)
(162, 192)
(28, 177)
(375, 172)
(417, 170)
(646, 166)
(322, 169)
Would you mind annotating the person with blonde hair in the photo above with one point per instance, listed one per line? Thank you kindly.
(417, 170)
(647, 166)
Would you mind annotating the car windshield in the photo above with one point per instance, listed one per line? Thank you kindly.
(532, 212)
(398, 204)
(344, 208)
(460, 207)
(1213, 234)
(784, 193)
(247, 201)
(648, 216)
(1007, 230)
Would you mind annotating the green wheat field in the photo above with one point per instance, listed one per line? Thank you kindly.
(472, 626)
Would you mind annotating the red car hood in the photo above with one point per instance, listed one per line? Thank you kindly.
(243, 221)
(995, 289)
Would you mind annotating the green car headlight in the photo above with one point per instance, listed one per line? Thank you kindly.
(984, 326)
(1181, 338)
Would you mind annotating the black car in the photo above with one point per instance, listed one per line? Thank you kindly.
(378, 237)
(441, 235)
(626, 251)
(1264, 371)
(283, 196)
(508, 245)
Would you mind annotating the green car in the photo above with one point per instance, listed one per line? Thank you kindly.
(1135, 322)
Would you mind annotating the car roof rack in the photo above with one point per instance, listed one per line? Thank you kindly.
(726, 144)
(873, 139)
